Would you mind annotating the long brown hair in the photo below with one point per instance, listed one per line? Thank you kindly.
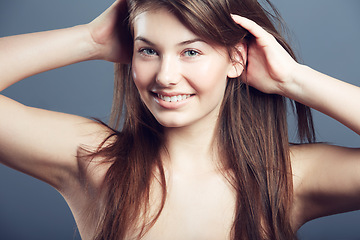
(252, 133)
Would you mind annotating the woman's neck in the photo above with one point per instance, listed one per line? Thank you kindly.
(191, 149)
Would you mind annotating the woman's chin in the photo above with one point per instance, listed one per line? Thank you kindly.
(171, 124)
(167, 123)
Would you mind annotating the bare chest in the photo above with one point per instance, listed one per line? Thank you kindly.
(200, 208)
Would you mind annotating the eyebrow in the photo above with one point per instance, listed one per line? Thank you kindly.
(190, 41)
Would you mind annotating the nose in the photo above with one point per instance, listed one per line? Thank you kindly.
(169, 73)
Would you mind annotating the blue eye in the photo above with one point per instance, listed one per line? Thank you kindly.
(191, 53)
(148, 51)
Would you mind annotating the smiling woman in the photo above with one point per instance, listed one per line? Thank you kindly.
(187, 88)
(197, 145)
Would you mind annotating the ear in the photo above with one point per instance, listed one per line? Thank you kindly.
(238, 60)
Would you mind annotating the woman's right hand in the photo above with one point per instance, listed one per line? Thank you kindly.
(110, 33)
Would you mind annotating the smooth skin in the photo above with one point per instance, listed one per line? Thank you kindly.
(45, 144)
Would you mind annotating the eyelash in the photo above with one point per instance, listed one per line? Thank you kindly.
(191, 51)
(145, 52)
(149, 52)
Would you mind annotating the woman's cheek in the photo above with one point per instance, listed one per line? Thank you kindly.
(204, 76)
(196, 72)
(143, 73)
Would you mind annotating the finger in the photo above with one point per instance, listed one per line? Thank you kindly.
(118, 5)
(118, 2)
(257, 31)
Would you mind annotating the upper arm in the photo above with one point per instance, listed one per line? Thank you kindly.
(44, 144)
(326, 179)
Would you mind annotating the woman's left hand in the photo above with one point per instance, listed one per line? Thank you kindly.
(269, 65)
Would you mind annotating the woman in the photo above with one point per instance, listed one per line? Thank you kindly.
(183, 132)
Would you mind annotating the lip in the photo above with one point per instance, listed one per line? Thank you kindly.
(171, 105)
(170, 94)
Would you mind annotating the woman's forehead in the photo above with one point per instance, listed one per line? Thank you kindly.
(160, 22)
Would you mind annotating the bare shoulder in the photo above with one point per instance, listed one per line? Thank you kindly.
(326, 180)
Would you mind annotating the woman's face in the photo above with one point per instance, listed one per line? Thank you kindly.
(180, 77)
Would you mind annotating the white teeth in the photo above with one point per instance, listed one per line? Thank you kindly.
(174, 98)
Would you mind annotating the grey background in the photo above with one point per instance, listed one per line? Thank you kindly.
(325, 33)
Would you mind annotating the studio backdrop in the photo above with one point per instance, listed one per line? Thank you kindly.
(324, 33)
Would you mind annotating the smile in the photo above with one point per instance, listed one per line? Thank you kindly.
(177, 98)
